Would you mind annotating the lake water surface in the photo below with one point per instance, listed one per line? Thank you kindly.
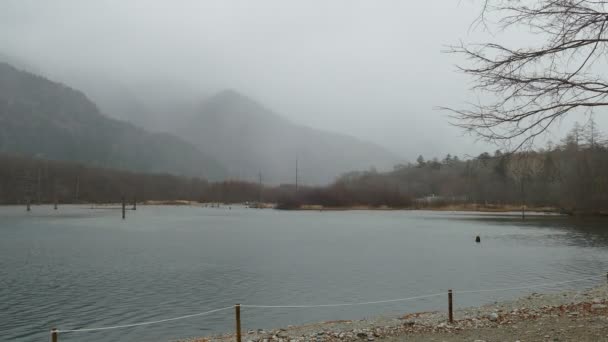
(78, 267)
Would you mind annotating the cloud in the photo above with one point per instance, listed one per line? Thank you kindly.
(373, 69)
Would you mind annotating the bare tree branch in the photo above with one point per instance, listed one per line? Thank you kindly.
(532, 87)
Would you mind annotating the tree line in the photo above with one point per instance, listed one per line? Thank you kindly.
(26, 179)
(571, 176)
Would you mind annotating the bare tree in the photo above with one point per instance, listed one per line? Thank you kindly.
(533, 87)
(524, 168)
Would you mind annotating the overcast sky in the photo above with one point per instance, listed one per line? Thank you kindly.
(372, 69)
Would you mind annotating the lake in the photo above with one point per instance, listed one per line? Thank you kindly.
(78, 267)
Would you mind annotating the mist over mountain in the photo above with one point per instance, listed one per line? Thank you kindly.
(249, 139)
(241, 134)
(153, 104)
(46, 119)
(112, 97)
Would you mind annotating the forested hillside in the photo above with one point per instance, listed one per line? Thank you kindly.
(571, 176)
(42, 118)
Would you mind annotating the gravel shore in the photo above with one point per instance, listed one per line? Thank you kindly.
(565, 316)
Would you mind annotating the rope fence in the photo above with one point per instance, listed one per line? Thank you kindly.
(342, 304)
(146, 323)
(55, 332)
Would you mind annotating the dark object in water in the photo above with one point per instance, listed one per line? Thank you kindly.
(478, 239)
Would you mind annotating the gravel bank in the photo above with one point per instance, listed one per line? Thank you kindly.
(565, 316)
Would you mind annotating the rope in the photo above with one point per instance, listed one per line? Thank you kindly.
(530, 286)
(343, 304)
(145, 323)
(328, 305)
(420, 297)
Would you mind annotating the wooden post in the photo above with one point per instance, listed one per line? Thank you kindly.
(123, 207)
(39, 190)
(54, 335)
(55, 194)
(237, 309)
(450, 312)
(260, 194)
(77, 192)
(296, 174)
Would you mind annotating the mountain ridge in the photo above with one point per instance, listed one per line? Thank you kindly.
(39, 117)
(248, 138)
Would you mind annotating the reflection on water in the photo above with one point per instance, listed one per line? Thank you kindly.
(78, 267)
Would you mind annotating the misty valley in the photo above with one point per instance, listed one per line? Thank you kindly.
(58, 147)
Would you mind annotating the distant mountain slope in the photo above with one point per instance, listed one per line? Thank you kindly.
(248, 138)
(113, 99)
(47, 119)
(152, 105)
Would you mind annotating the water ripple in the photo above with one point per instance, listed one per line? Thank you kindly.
(87, 268)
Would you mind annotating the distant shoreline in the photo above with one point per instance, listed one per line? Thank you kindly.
(498, 209)
(462, 208)
(474, 208)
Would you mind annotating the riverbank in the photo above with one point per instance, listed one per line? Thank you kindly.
(450, 207)
(499, 209)
(564, 316)
(464, 207)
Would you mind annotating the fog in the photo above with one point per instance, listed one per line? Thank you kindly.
(371, 69)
